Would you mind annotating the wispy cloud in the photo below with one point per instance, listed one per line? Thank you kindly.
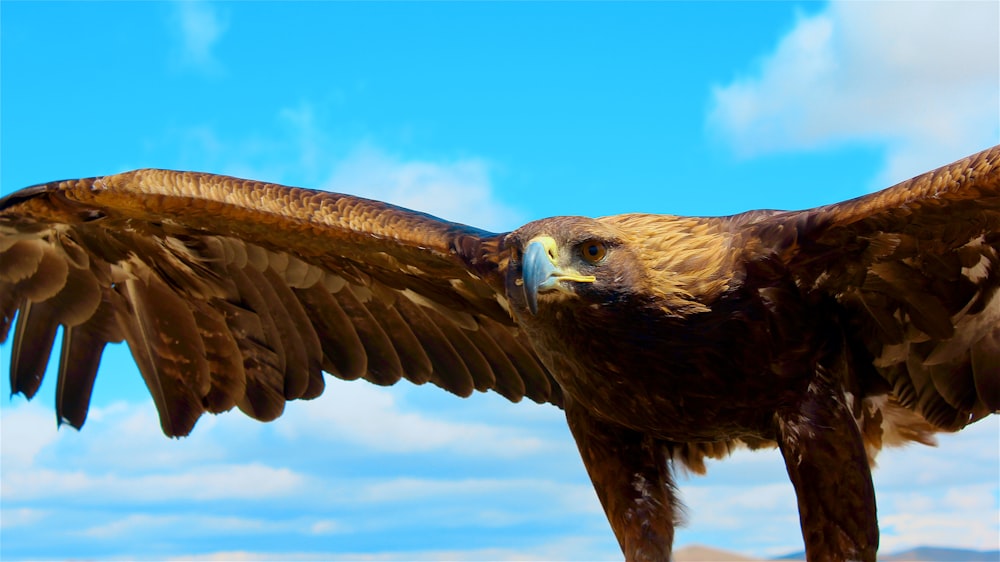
(369, 417)
(309, 152)
(198, 27)
(217, 482)
(567, 496)
(24, 516)
(34, 433)
(145, 524)
(457, 190)
(918, 78)
(577, 549)
(917, 518)
(120, 481)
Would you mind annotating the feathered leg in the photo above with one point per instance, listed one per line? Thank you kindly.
(630, 473)
(826, 461)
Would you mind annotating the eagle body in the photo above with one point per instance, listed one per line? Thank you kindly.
(646, 358)
(828, 333)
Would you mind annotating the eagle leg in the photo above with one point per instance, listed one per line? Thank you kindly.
(630, 474)
(826, 462)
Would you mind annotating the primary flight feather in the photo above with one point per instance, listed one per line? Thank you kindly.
(829, 332)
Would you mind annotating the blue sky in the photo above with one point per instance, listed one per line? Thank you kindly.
(490, 114)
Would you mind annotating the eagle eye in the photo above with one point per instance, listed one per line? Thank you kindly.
(593, 251)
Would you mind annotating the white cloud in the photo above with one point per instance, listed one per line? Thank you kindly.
(917, 487)
(94, 486)
(944, 495)
(917, 492)
(307, 152)
(457, 190)
(123, 453)
(972, 523)
(564, 548)
(210, 483)
(370, 417)
(24, 516)
(722, 507)
(145, 524)
(561, 497)
(25, 432)
(198, 27)
(325, 527)
(920, 78)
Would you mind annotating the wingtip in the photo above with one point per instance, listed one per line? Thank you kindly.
(61, 421)
(32, 191)
(29, 192)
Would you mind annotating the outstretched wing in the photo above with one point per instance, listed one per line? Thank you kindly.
(238, 293)
(916, 268)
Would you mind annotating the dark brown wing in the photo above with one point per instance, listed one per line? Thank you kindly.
(916, 268)
(238, 293)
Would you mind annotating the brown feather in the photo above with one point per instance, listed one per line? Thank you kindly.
(81, 350)
(449, 371)
(20, 259)
(284, 335)
(985, 358)
(416, 365)
(47, 279)
(225, 363)
(164, 340)
(506, 380)
(476, 363)
(82, 347)
(33, 337)
(303, 334)
(383, 366)
(538, 384)
(343, 352)
(263, 387)
(9, 304)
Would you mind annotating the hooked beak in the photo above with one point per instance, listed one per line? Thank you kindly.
(541, 271)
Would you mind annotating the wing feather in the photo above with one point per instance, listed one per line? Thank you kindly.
(344, 355)
(33, 337)
(449, 371)
(478, 367)
(384, 366)
(283, 335)
(985, 360)
(916, 270)
(418, 366)
(82, 347)
(225, 361)
(238, 293)
(506, 379)
(538, 384)
(300, 330)
(165, 331)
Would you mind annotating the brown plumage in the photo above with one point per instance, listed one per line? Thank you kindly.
(667, 340)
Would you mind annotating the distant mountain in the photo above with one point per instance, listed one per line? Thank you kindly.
(698, 553)
(801, 555)
(938, 554)
(923, 554)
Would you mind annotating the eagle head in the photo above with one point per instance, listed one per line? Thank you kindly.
(565, 262)
(674, 266)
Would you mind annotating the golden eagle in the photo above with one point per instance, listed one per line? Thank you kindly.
(667, 340)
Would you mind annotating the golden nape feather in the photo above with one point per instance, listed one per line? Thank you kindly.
(828, 333)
